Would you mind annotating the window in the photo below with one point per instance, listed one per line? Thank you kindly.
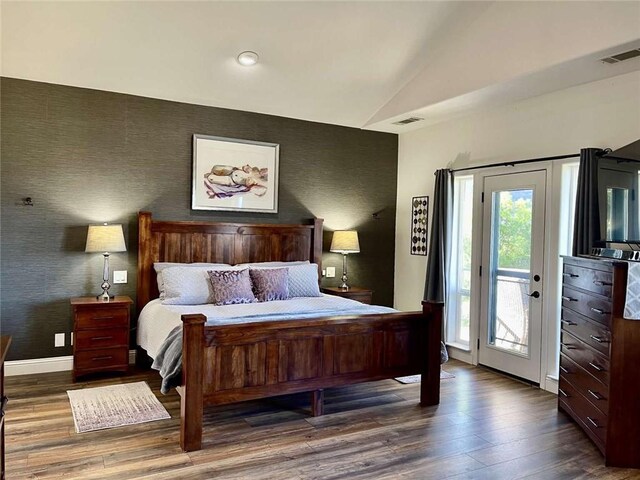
(569, 189)
(459, 295)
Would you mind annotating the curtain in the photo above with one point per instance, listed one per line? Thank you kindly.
(586, 224)
(439, 241)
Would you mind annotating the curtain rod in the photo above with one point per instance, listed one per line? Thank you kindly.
(518, 162)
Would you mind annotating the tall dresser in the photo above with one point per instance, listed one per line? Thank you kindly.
(600, 358)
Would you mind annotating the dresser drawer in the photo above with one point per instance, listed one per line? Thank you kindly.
(593, 362)
(101, 337)
(593, 306)
(596, 392)
(105, 358)
(596, 281)
(590, 418)
(102, 317)
(592, 333)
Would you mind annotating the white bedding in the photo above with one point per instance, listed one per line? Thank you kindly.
(157, 320)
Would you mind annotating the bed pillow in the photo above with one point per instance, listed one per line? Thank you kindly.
(303, 281)
(160, 266)
(270, 283)
(230, 287)
(188, 285)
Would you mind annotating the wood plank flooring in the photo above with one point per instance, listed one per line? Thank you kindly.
(487, 427)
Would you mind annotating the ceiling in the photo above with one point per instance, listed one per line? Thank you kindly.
(360, 64)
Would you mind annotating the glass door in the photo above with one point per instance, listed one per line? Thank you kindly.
(512, 265)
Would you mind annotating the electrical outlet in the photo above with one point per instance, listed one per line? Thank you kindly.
(120, 276)
(58, 340)
(331, 272)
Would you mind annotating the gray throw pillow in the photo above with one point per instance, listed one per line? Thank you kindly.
(231, 287)
(270, 283)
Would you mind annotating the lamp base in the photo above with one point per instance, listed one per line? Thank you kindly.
(104, 298)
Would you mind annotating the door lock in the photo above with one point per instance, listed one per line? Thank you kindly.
(535, 294)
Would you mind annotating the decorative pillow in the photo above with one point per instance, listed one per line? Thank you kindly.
(270, 283)
(231, 287)
(160, 266)
(303, 281)
(188, 285)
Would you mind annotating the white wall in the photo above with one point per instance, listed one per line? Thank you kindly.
(599, 114)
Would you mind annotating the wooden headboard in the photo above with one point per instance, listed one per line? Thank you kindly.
(217, 242)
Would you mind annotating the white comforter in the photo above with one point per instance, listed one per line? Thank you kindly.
(157, 320)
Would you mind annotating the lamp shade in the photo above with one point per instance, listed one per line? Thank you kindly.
(345, 241)
(105, 238)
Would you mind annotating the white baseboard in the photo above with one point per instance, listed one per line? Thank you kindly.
(551, 384)
(459, 354)
(46, 365)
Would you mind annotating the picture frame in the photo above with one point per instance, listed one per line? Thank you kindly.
(231, 174)
(419, 216)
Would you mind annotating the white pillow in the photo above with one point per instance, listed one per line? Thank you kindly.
(189, 285)
(273, 264)
(303, 277)
(160, 266)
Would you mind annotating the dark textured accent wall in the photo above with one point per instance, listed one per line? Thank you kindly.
(88, 156)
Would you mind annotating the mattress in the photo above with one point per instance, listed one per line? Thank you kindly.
(156, 320)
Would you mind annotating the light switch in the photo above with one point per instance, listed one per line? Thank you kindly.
(120, 276)
(331, 272)
(58, 340)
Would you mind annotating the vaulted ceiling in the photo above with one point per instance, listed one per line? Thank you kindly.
(361, 64)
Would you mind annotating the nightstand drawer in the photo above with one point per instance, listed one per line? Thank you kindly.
(106, 358)
(101, 337)
(102, 317)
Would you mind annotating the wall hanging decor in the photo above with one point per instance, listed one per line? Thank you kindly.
(235, 175)
(419, 215)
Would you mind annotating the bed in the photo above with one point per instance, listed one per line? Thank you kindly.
(226, 363)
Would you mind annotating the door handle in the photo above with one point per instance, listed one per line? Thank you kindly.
(535, 294)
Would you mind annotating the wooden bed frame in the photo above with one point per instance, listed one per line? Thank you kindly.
(232, 363)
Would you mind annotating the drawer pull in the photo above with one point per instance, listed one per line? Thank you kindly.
(568, 323)
(105, 357)
(570, 275)
(593, 422)
(600, 283)
(598, 339)
(596, 367)
(563, 393)
(595, 395)
(568, 346)
(569, 299)
(564, 370)
(101, 338)
(103, 318)
(598, 310)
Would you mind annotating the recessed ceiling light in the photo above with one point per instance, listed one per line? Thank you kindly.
(248, 58)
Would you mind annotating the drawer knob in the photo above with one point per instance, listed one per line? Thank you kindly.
(100, 338)
(105, 357)
(569, 299)
(598, 339)
(595, 395)
(600, 283)
(563, 393)
(598, 311)
(593, 422)
(103, 318)
(570, 275)
(568, 346)
(563, 370)
(568, 323)
(596, 367)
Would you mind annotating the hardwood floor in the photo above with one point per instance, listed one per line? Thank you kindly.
(487, 426)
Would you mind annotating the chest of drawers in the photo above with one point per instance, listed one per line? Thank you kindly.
(101, 335)
(599, 383)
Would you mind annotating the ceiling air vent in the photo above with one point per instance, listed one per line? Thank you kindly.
(622, 56)
(407, 121)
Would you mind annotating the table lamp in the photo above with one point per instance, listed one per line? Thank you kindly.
(106, 239)
(345, 242)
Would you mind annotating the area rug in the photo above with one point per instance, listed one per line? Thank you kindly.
(114, 406)
(416, 378)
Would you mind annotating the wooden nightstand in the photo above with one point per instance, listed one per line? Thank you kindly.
(354, 293)
(100, 335)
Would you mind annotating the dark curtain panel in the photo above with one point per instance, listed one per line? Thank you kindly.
(439, 241)
(586, 224)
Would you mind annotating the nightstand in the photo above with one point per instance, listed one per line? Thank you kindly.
(100, 335)
(362, 295)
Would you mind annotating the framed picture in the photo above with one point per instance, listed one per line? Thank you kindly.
(419, 215)
(234, 175)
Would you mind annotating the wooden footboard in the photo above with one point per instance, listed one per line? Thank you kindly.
(232, 363)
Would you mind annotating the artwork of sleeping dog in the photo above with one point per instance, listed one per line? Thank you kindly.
(225, 181)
